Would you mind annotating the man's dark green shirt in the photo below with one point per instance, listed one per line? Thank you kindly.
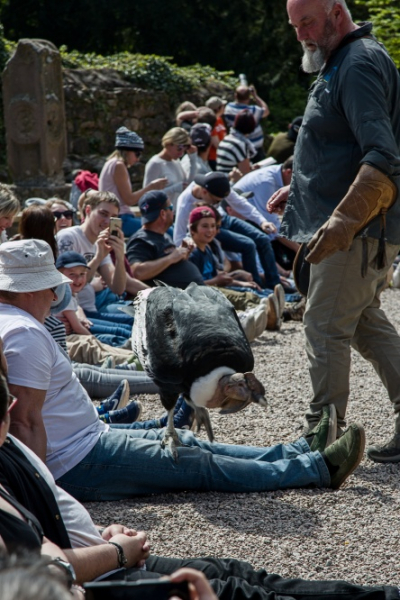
(352, 117)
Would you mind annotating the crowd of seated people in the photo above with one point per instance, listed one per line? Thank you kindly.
(78, 341)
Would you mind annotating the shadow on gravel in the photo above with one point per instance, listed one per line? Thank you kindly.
(380, 475)
(261, 514)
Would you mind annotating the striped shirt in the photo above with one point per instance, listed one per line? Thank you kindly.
(230, 152)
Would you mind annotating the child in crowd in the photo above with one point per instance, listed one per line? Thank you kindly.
(74, 266)
(203, 229)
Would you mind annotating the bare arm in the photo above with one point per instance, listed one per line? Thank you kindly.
(259, 101)
(74, 322)
(115, 275)
(244, 166)
(91, 562)
(133, 286)
(152, 268)
(26, 419)
(123, 183)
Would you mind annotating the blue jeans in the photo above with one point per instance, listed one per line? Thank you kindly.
(101, 383)
(262, 244)
(125, 463)
(118, 317)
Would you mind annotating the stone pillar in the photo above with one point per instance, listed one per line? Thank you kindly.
(34, 114)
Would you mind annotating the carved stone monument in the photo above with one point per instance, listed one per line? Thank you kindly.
(34, 115)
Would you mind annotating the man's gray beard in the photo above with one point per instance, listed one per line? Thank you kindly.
(312, 61)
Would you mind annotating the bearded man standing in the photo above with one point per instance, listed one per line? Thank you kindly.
(346, 175)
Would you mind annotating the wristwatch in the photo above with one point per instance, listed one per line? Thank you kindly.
(67, 568)
(122, 560)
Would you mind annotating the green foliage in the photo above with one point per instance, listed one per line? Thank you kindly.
(150, 71)
(386, 19)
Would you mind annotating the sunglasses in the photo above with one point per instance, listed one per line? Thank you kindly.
(12, 401)
(182, 147)
(170, 207)
(67, 214)
(138, 153)
(53, 289)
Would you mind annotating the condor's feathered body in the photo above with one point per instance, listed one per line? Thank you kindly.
(182, 336)
(189, 333)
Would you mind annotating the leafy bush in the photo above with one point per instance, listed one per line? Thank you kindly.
(385, 16)
(150, 71)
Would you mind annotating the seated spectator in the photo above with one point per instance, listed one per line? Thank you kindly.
(236, 150)
(243, 96)
(37, 221)
(167, 163)
(63, 213)
(282, 146)
(219, 130)
(261, 184)
(74, 266)
(9, 207)
(55, 417)
(114, 177)
(186, 115)
(241, 294)
(235, 235)
(92, 239)
(206, 115)
(200, 134)
(151, 252)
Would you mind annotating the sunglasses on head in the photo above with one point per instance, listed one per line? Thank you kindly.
(67, 214)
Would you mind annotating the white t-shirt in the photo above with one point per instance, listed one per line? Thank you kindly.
(173, 170)
(74, 239)
(36, 361)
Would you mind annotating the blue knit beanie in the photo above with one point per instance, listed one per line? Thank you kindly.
(128, 140)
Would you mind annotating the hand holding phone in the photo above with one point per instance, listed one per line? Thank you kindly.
(115, 225)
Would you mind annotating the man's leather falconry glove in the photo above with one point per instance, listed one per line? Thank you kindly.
(371, 193)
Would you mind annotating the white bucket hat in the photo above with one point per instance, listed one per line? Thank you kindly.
(28, 266)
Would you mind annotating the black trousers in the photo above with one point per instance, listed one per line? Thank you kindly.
(237, 580)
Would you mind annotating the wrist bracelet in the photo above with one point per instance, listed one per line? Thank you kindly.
(122, 560)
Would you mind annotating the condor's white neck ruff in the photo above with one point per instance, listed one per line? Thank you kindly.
(203, 389)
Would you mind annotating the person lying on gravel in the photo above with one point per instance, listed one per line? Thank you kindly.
(57, 420)
(38, 514)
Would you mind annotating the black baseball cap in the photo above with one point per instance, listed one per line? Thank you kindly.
(214, 182)
(150, 204)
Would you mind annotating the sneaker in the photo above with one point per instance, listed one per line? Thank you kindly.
(280, 296)
(388, 453)
(344, 455)
(119, 399)
(324, 433)
(295, 312)
(249, 326)
(108, 363)
(260, 320)
(274, 317)
(129, 414)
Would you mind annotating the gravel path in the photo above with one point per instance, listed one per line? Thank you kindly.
(350, 534)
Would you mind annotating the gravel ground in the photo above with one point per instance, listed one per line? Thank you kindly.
(348, 534)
